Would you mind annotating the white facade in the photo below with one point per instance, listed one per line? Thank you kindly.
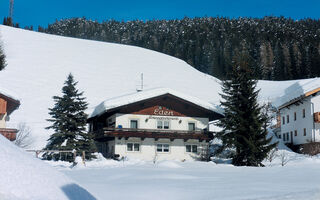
(148, 149)
(151, 121)
(297, 121)
(155, 149)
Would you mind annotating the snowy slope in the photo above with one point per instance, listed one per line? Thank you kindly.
(25, 177)
(38, 64)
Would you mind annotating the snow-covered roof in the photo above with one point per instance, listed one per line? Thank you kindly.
(297, 91)
(8, 94)
(147, 94)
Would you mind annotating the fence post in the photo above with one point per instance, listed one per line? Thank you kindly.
(74, 155)
(84, 157)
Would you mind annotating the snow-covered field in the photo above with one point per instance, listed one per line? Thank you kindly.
(107, 179)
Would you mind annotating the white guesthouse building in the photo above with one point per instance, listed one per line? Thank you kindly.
(153, 124)
(299, 113)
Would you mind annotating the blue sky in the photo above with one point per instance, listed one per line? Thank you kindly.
(43, 12)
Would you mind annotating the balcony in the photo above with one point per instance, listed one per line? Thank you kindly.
(110, 133)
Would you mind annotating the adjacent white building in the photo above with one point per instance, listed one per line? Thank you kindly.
(153, 124)
(299, 113)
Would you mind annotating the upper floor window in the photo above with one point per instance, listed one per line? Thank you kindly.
(191, 126)
(288, 119)
(283, 120)
(134, 124)
(304, 113)
(295, 116)
(162, 124)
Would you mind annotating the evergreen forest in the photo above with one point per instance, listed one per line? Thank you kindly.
(280, 48)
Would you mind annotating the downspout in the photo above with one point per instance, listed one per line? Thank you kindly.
(314, 127)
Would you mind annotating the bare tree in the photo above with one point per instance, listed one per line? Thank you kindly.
(24, 138)
(272, 155)
(284, 158)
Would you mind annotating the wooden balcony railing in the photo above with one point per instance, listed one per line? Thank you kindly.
(106, 129)
(152, 133)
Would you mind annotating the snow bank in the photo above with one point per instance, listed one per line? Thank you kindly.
(23, 177)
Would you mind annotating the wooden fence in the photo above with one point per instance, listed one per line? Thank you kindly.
(74, 152)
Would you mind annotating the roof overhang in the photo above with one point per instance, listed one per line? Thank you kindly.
(301, 97)
(12, 104)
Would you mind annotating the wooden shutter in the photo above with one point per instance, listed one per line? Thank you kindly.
(3, 106)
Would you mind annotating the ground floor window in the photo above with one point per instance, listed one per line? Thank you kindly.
(133, 147)
(162, 147)
(191, 148)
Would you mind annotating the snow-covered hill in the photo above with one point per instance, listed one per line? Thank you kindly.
(38, 64)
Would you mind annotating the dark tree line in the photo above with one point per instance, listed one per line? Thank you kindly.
(281, 48)
(2, 58)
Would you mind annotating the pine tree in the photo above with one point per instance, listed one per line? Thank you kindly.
(69, 123)
(243, 123)
(2, 59)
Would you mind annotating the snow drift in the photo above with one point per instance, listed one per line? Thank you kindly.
(25, 177)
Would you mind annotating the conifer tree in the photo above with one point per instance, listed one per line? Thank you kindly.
(243, 123)
(68, 119)
(2, 59)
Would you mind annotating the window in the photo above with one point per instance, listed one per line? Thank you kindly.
(304, 113)
(134, 124)
(162, 147)
(287, 118)
(295, 116)
(191, 126)
(133, 147)
(288, 136)
(279, 136)
(295, 133)
(283, 120)
(284, 137)
(191, 148)
(162, 124)
(304, 132)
